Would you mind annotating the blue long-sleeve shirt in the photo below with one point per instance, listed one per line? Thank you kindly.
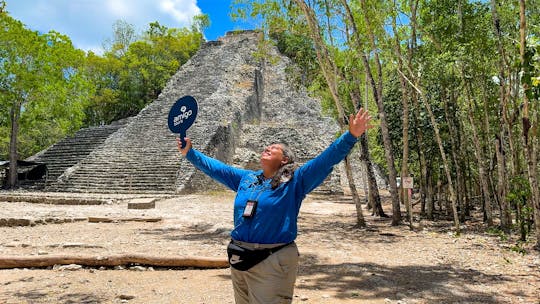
(275, 219)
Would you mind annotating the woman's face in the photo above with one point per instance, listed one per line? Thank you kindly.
(272, 157)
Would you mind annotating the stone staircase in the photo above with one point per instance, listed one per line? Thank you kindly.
(69, 151)
(142, 156)
(244, 105)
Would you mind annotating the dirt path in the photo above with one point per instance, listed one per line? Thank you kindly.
(339, 263)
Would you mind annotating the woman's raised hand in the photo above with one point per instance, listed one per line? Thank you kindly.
(359, 123)
(184, 150)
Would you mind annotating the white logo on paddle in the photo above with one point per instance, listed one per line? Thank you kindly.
(184, 115)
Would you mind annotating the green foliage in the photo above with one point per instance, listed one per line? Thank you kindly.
(57, 88)
(531, 68)
(496, 231)
(518, 248)
(129, 77)
(42, 78)
(301, 50)
(104, 73)
(533, 82)
(519, 190)
(123, 35)
(518, 196)
(262, 54)
(200, 23)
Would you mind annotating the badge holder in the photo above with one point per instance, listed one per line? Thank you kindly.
(249, 210)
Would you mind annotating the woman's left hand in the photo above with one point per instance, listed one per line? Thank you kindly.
(359, 123)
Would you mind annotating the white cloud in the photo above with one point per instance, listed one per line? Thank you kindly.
(89, 22)
(181, 10)
(119, 8)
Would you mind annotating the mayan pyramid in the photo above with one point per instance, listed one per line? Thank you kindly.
(245, 103)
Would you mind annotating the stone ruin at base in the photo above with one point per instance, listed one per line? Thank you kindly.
(244, 105)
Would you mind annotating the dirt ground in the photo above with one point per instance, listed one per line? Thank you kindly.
(339, 263)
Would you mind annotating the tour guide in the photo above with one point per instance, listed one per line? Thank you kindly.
(262, 253)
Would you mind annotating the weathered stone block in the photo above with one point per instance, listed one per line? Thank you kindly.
(142, 203)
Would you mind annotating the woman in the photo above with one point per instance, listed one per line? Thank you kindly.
(262, 252)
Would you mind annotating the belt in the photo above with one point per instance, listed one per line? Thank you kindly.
(255, 246)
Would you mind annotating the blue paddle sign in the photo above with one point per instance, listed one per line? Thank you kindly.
(182, 115)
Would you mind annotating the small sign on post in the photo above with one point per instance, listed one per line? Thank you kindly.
(408, 182)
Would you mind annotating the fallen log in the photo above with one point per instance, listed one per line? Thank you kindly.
(111, 261)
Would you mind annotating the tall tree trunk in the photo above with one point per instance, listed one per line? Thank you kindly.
(377, 92)
(500, 141)
(356, 198)
(15, 113)
(457, 142)
(445, 164)
(372, 193)
(405, 121)
(491, 195)
(482, 174)
(430, 201)
(443, 155)
(454, 151)
(532, 164)
(424, 178)
(501, 185)
(328, 21)
(374, 197)
(529, 141)
(330, 74)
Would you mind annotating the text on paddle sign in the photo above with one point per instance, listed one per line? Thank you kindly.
(182, 116)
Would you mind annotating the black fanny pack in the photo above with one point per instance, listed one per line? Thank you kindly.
(241, 258)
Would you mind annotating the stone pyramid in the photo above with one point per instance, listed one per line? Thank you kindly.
(245, 103)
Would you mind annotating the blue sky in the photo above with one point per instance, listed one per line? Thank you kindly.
(89, 22)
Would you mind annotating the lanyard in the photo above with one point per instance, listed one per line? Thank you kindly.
(251, 204)
(258, 190)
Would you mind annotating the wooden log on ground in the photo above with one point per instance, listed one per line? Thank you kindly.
(112, 260)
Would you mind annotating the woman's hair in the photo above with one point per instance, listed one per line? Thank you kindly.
(286, 171)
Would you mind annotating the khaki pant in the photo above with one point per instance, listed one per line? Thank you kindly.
(269, 282)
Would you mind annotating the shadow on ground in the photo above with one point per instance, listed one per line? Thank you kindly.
(437, 284)
(197, 232)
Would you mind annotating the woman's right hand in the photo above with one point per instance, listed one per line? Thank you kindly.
(359, 123)
(184, 150)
